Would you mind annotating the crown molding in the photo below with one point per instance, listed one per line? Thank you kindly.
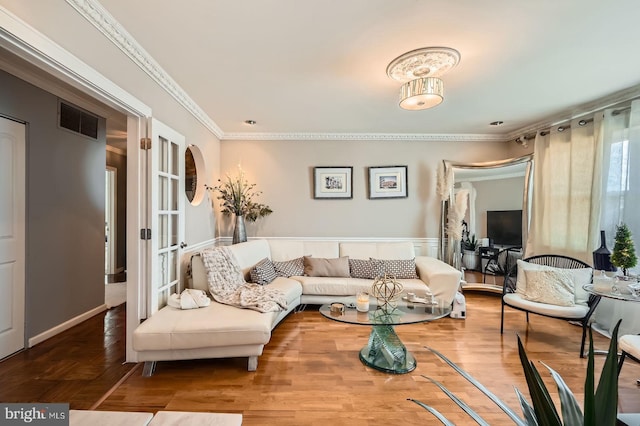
(100, 18)
(421, 137)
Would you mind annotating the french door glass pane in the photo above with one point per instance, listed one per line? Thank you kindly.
(163, 196)
(164, 155)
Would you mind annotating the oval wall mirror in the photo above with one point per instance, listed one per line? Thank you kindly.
(194, 168)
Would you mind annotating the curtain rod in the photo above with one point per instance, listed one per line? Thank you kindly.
(524, 138)
(620, 111)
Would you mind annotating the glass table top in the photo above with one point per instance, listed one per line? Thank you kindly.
(618, 294)
(403, 313)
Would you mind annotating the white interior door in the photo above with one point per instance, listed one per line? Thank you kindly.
(167, 212)
(110, 220)
(12, 236)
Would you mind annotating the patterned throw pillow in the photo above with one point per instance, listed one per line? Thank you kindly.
(289, 268)
(361, 268)
(400, 269)
(263, 273)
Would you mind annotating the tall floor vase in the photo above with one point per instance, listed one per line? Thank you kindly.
(240, 231)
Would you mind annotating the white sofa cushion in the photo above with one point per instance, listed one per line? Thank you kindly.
(282, 250)
(249, 254)
(388, 251)
(171, 328)
(332, 286)
(291, 289)
(575, 311)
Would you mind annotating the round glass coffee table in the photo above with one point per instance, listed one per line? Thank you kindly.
(385, 351)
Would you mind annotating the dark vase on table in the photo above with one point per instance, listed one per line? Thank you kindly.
(602, 256)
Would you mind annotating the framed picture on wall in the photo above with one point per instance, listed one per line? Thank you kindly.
(332, 182)
(388, 182)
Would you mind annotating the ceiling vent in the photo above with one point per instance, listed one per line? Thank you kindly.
(78, 121)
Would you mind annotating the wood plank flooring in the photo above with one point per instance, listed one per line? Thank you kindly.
(310, 373)
(77, 366)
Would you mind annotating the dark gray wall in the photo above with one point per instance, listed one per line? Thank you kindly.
(65, 210)
(119, 162)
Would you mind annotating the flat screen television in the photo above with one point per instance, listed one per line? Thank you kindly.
(504, 227)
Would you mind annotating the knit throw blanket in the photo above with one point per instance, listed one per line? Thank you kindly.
(227, 285)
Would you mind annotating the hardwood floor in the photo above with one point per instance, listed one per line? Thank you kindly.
(310, 372)
(77, 366)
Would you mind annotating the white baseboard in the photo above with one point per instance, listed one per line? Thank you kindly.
(65, 326)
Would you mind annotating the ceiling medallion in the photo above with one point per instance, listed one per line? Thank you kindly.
(419, 71)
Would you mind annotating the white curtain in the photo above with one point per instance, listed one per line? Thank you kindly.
(566, 191)
(620, 202)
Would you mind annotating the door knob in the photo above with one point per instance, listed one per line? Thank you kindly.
(183, 245)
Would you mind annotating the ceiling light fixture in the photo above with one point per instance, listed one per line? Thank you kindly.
(420, 70)
(250, 122)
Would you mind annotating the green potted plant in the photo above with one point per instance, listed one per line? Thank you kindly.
(470, 252)
(237, 196)
(624, 253)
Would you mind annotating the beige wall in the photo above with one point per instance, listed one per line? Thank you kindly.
(283, 170)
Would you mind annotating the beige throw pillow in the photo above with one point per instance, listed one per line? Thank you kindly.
(551, 287)
(321, 267)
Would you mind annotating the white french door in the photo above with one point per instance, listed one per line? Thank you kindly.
(166, 202)
(12, 236)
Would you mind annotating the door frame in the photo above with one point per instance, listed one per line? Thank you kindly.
(22, 40)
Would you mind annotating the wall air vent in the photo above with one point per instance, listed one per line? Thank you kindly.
(78, 121)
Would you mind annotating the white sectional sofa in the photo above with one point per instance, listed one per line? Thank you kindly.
(222, 331)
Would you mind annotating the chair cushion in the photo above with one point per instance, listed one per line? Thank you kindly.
(630, 343)
(552, 287)
(568, 312)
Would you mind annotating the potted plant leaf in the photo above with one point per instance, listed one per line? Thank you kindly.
(599, 408)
